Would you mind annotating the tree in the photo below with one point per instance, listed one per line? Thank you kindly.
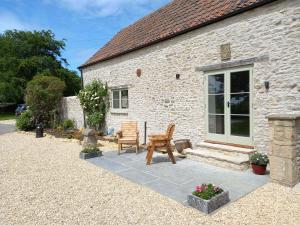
(43, 94)
(24, 54)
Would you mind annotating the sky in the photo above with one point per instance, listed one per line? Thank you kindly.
(86, 25)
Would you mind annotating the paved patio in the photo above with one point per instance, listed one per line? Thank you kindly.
(176, 181)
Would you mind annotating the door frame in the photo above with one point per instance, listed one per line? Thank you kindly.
(227, 138)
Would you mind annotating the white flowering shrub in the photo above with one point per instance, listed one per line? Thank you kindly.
(94, 101)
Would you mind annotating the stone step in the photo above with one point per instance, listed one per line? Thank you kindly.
(226, 149)
(219, 159)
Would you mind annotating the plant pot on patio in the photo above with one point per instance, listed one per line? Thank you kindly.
(259, 163)
(90, 153)
(208, 198)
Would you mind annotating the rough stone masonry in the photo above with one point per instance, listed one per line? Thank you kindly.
(270, 32)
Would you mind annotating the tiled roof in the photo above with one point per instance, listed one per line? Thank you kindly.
(177, 17)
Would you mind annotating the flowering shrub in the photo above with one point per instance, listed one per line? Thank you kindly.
(93, 99)
(259, 159)
(207, 191)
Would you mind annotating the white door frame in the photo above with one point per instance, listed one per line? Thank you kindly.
(227, 137)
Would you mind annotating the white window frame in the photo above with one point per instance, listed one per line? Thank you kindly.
(120, 109)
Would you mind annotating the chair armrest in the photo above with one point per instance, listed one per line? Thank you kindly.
(119, 134)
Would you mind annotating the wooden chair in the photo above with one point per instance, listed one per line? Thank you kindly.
(161, 141)
(128, 135)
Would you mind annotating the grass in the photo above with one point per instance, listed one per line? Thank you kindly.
(7, 116)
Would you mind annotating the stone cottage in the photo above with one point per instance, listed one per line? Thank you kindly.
(216, 69)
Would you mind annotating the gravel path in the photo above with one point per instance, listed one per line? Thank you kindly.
(42, 181)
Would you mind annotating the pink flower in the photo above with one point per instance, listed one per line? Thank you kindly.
(199, 188)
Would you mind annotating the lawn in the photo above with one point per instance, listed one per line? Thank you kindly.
(7, 116)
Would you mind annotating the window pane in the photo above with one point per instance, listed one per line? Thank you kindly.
(239, 103)
(116, 95)
(216, 104)
(116, 104)
(124, 99)
(240, 126)
(116, 99)
(216, 84)
(239, 81)
(216, 124)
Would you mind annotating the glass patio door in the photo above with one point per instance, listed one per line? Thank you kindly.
(229, 117)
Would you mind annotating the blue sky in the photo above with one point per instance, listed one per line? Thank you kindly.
(85, 24)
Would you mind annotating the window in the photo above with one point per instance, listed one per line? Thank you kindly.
(120, 99)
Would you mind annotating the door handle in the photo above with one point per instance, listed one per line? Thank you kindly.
(228, 104)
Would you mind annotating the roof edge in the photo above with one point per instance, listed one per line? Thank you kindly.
(180, 33)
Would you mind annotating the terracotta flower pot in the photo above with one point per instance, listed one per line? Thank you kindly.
(258, 169)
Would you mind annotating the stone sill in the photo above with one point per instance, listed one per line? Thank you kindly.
(119, 111)
(284, 117)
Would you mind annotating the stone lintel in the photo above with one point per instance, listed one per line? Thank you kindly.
(225, 65)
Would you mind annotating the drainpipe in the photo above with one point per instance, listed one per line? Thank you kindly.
(82, 86)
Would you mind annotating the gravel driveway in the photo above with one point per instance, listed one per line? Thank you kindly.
(42, 181)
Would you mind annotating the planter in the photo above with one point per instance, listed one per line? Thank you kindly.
(83, 155)
(182, 144)
(257, 169)
(208, 206)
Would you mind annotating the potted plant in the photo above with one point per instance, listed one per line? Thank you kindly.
(259, 163)
(208, 198)
(88, 153)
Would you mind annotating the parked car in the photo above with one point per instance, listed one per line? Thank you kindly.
(20, 108)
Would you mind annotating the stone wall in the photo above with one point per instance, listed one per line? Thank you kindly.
(270, 32)
(285, 148)
(71, 109)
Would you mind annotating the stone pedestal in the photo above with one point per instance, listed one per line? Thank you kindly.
(89, 139)
(285, 149)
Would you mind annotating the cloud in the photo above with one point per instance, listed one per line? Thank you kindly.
(104, 8)
(9, 21)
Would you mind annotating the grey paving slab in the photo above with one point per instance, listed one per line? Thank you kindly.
(108, 164)
(169, 189)
(182, 177)
(137, 176)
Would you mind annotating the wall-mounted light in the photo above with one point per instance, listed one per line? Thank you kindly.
(267, 85)
(177, 76)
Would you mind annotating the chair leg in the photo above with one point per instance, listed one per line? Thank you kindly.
(119, 148)
(151, 150)
(137, 148)
(170, 153)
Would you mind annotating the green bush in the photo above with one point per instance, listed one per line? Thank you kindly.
(68, 124)
(259, 159)
(43, 94)
(95, 119)
(25, 121)
(207, 191)
(90, 150)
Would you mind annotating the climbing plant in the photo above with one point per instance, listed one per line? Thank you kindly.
(94, 101)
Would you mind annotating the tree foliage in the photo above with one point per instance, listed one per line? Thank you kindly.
(25, 54)
(43, 94)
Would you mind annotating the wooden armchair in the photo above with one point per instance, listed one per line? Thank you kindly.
(128, 135)
(161, 141)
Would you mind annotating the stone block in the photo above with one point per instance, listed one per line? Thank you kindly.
(284, 151)
(89, 140)
(284, 170)
(284, 135)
